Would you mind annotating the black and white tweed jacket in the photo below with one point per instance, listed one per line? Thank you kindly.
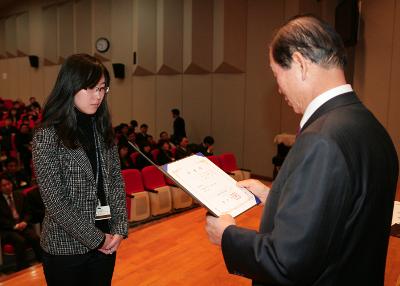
(69, 193)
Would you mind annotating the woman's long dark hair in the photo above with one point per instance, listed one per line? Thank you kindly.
(79, 71)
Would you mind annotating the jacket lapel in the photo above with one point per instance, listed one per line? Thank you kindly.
(80, 157)
(336, 102)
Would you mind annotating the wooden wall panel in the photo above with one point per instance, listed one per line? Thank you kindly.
(37, 84)
(144, 101)
(394, 97)
(36, 31)
(22, 34)
(83, 26)
(3, 78)
(121, 31)
(228, 113)
(2, 38)
(144, 36)
(196, 106)
(12, 78)
(372, 79)
(230, 17)
(66, 31)
(169, 36)
(121, 41)
(50, 34)
(168, 96)
(102, 23)
(11, 36)
(23, 78)
(198, 36)
(311, 6)
(262, 105)
(49, 78)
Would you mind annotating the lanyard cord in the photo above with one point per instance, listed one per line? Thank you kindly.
(97, 148)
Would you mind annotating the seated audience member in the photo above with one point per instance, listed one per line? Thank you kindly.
(207, 146)
(117, 134)
(125, 159)
(33, 103)
(2, 107)
(6, 133)
(15, 224)
(164, 137)
(23, 142)
(35, 205)
(122, 135)
(165, 155)
(27, 119)
(14, 116)
(132, 140)
(142, 162)
(19, 105)
(141, 137)
(134, 125)
(19, 179)
(152, 142)
(181, 150)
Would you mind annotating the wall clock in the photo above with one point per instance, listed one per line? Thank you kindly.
(102, 45)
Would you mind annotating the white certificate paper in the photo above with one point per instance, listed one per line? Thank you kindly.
(206, 182)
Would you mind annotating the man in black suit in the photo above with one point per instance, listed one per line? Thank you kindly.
(327, 217)
(179, 126)
(15, 227)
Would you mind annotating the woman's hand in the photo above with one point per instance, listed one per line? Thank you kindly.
(111, 244)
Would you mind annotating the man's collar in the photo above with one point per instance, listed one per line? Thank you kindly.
(321, 99)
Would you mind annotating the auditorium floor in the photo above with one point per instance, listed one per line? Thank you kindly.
(176, 251)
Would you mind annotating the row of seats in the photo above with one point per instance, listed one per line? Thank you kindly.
(150, 193)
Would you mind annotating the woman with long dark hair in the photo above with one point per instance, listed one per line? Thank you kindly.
(79, 177)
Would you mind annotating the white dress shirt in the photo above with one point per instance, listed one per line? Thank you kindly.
(321, 99)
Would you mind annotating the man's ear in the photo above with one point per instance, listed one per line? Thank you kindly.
(302, 63)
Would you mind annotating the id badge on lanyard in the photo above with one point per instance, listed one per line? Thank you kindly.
(103, 212)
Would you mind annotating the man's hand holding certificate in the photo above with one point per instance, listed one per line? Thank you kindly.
(215, 226)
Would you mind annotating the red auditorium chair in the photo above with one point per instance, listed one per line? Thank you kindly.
(154, 154)
(228, 164)
(138, 200)
(134, 156)
(180, 199)
(215, 159)
(159, 192)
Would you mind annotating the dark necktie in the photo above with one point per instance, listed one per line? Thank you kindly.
(12, 207)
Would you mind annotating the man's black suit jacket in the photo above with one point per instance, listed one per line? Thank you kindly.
(327, 217)
(7, 221)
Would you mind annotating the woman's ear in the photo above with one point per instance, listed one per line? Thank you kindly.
(302, 63)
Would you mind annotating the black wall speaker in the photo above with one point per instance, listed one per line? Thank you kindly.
(119, 70)
(34, 61)
(347, 20)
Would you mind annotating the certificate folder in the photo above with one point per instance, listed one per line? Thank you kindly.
(207, 183)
